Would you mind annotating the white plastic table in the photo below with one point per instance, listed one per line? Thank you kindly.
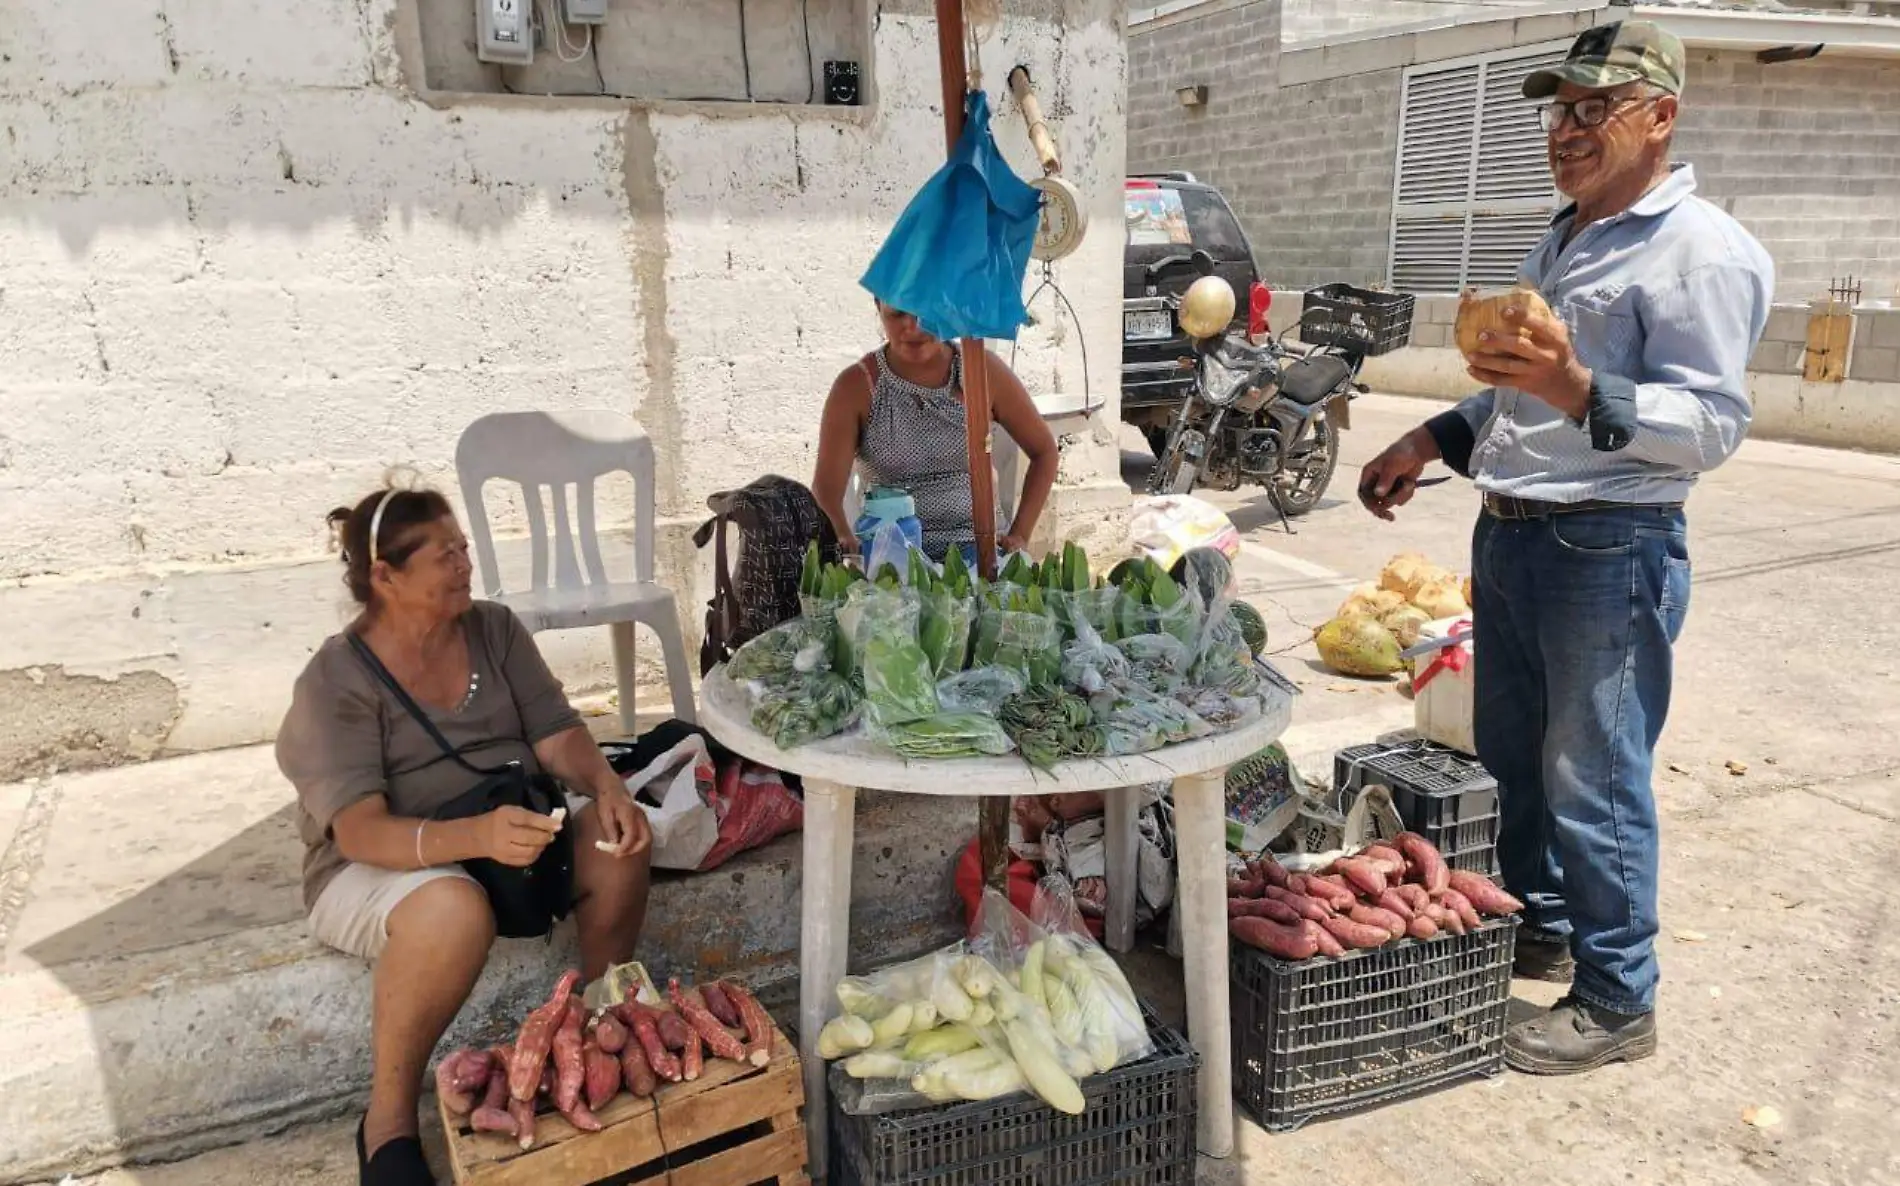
(834, 771)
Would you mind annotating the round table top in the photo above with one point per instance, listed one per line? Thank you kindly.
(857, 761)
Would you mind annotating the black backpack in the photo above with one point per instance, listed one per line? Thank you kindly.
(777, 519)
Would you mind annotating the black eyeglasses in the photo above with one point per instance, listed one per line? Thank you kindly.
(1589, 112)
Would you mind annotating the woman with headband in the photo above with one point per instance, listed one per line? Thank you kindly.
(383, 880)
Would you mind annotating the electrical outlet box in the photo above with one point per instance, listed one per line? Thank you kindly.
(585, 12)
(504, 31)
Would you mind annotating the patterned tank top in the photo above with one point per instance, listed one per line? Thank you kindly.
(916, 440)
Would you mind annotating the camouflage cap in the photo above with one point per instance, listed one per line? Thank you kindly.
(1612, 55)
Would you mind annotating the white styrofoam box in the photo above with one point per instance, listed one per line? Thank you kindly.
(1442, 688)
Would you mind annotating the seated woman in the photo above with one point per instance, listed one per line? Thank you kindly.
(381, 879)
(898, 414)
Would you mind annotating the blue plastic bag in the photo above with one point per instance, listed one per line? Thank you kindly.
(957, 257)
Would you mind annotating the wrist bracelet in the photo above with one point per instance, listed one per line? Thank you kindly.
(420, 863)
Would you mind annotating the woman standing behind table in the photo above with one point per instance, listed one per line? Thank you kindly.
(382, 880)
(898, 413)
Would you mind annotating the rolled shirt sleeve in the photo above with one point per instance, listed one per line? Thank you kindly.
(1690, 408)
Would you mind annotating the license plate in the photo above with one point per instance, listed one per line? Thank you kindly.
(1147, 326)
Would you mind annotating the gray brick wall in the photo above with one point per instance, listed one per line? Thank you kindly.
(1307, 168)
(1807, 156)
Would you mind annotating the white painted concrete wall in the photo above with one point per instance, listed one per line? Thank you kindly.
(245, 266)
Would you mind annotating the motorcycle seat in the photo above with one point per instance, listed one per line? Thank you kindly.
(1313, 378)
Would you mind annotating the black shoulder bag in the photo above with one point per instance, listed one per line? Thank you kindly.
(527, 901)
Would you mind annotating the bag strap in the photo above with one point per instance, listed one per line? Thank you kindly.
(414, 710)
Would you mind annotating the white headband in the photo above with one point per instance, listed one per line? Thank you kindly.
(376, 523)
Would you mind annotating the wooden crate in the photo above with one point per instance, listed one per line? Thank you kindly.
(733, 1126)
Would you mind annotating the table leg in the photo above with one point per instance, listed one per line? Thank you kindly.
(1123, 855)
(824, 932)
(1201, 846)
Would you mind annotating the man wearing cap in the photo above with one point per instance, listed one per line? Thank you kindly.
(1595, 422)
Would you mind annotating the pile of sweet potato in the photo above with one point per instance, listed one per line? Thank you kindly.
(576, 1061)
(1385, 892)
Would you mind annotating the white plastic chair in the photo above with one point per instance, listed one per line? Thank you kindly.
(557, 450)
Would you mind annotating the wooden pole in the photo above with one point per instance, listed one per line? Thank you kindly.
(993, 810)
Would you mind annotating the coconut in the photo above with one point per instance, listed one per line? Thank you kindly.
(1481, 311)
(1400, 573)
(1405, 623)
(1357, 646)
(1441, 599)
(1369, 601)
(1469, 600)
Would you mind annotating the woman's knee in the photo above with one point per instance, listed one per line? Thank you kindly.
(445, 910)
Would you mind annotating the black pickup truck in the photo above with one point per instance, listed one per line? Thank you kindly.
(1170, 216)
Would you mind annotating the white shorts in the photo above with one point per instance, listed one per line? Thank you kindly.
(352, 913)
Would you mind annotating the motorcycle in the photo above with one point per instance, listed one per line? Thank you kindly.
(1267, 414)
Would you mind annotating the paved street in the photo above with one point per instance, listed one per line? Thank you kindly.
(1779, 983)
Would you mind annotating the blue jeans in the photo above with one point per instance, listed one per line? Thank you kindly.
(1574, 619)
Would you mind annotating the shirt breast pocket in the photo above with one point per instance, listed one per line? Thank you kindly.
(1606, 335)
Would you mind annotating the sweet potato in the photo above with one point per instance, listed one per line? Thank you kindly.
(519, 1111)
(581, 1117)
(714, 1035)
(601, 1075)
(1356, 934)
(1446, 918)
(1269, 870)
(1263, 908)
(719, 1004)
(643, 1020)
(1309, 908)
(1395, 902)
(1333, 890)
(1323, 939)
(1432, 872)
(692, 1057)
(609, 1033)
(758, 1025)
(1482, 894)
(449, 1080)
(1385, 920)
(1386, 859)
(673, 1029)
(1414, 895)
(1287, 942)
(536, 1042)
(640, 1078)
(570, 1072)
(1467, 913)
(1422, 927)
(491, 1115)
(472, 1073)
(1245, 887)
(1362, 876)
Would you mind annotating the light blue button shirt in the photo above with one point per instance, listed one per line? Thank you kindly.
(1665, 303)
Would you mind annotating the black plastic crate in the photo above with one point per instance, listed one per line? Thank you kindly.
(1324, 1036)
(1441, 794)
(1356, 319)
(1138, 1128)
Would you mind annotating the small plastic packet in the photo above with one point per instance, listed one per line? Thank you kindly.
(898, 685)
(872, 612)
(1135, 720)
(1158, 662)
(945, 735)
(1094, 608)
(1028, 642)
(980, 689)
(944, 626)
(805, 708)
(798, 647)
(1090, 663)
(1220, 708)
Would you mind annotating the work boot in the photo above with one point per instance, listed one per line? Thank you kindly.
(1575, 1037)
(1539, 958)
(396, 1162)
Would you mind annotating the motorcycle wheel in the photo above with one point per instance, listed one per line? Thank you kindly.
(1157, 439)
(1173, 473)
(1307, 473)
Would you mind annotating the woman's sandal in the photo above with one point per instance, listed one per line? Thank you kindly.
(398, 1162)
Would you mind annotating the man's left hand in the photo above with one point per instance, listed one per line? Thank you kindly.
(1532, 353)
(621, 819)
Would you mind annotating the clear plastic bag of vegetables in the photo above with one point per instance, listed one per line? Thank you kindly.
(1222, 658)
(1134, 720)
(804, 708)
(1221, 709)
(980, 689)
(798, 647)
(944, 626)
(1152, 603)
(1027, 641)
(898, 685)
(889, 612)
(1158, 662)
(944, 735)
(1091, 608)
(1090, 662)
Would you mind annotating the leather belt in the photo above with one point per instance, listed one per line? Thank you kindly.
(1503, 506)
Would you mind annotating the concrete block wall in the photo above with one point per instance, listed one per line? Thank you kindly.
(249, 261)
(1234, 51)
(1807, 156)
(1876, 355)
